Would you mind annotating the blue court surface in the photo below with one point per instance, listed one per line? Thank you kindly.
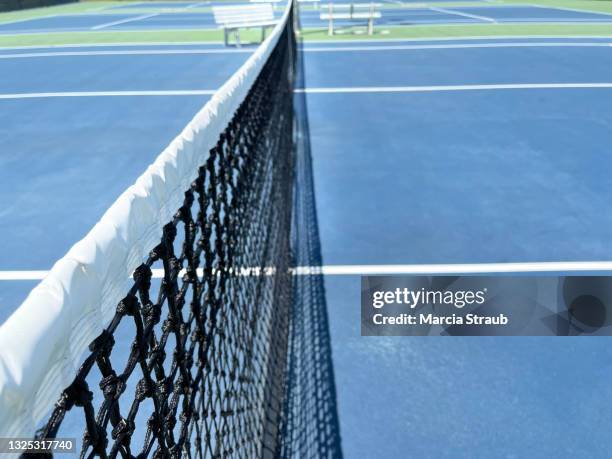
(497, 137)
(439, 151)
(420, 156)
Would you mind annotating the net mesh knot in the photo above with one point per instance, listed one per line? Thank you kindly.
(144, 389)
(112, 386)
(128, 306)
(77, 393)
(103, 344)
(151, 313)
(123, 430)
(142, 276)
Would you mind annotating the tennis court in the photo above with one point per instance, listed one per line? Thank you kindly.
(421, 153)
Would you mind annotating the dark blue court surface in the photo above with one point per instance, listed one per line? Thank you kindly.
(127, 72)
(74, 156)
(488, 175)
(469, 62)
(428, 157)
(441, 172)
(466, 397)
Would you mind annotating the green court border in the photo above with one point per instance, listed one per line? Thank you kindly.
(462, 31)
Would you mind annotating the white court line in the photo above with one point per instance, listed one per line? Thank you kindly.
(153, 52)
(475, 87)
(459, 13)
(457, 46)
(134, 52)
(124, 21)
(22, 275)
(364, 270)
(44, 95)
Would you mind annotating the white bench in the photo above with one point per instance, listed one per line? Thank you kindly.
(351, 11)
(234, 18)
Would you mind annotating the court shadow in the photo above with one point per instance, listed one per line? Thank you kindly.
(311, 429)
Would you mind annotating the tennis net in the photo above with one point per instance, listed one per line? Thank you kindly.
(204, 235)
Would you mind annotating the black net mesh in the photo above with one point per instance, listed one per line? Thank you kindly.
(311, 428)
(208, 362)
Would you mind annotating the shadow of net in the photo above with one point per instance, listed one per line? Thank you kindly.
(312, 428)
